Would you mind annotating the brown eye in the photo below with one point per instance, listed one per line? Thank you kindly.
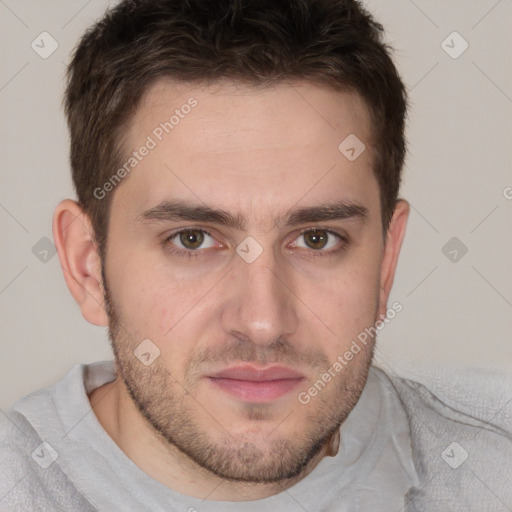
(191, 239)
(321, 241)
(316, 239)
(191, 242)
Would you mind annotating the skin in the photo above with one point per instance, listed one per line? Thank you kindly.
(259, 154)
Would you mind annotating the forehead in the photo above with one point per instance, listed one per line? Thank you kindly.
(245, 146)
(232, 109)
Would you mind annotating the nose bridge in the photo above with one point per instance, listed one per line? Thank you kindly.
(261, 306)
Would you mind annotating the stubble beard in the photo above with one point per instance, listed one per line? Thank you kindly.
(171, 410)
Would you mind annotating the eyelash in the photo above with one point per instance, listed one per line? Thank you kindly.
(312, 254)
(183, 252)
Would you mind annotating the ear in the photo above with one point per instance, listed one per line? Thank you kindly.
(80, 261)
(394, 238)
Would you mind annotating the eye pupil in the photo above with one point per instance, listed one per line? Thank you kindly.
(192, 239)
(316, 239)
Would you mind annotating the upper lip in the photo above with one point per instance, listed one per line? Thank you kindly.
(257, 373)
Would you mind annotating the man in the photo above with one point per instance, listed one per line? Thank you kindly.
(238, 226)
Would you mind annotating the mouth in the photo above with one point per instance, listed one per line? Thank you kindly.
(256, 384)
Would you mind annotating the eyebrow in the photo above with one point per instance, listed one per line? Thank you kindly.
(177, 210)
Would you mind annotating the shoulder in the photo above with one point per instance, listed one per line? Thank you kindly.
(463, 454)
(17, 438)
(30, 476)
(21, 478)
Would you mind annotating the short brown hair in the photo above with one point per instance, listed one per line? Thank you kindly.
(330, 42)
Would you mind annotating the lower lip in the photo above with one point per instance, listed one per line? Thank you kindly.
(256, 391)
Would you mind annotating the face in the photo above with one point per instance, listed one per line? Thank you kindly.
(247, 248)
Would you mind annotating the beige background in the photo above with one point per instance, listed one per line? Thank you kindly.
(456, 178)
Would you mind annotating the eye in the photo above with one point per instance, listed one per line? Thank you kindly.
(192, 239)
(319, 239)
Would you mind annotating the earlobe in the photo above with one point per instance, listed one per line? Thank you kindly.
(394, 239)
(80, 261)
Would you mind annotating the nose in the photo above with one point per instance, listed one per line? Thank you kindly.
(260, 304)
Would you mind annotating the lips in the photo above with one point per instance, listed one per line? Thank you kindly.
(257, 374)
(256, 384)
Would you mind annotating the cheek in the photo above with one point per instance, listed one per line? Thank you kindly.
(170, 311)
(137, 292)
(155, 299)
(153, 304)
(347, 303)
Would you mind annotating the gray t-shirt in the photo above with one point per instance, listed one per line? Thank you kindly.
(55, 455)
(81, 468)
